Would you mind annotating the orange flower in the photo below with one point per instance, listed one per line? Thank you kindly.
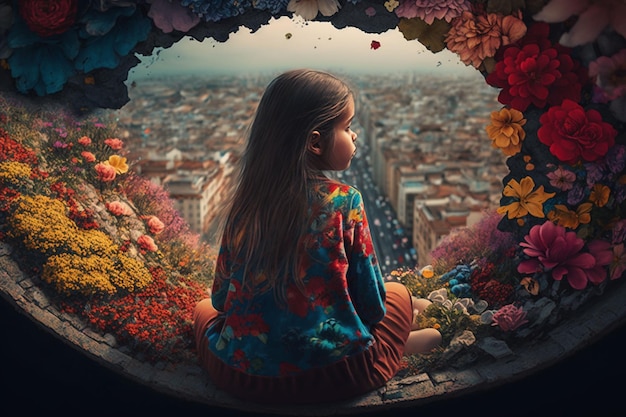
(565, 217)
(505, 130)
(476, 37)
(88, 156)
(527, 200)
(600, 195)
(119, 163)
(114, 143)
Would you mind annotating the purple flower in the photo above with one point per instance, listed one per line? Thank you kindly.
(562, 178)
(59, 145)
(576, 195)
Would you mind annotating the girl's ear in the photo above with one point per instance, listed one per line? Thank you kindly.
(314, 144)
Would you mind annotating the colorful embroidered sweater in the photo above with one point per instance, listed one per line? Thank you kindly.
(343, 297)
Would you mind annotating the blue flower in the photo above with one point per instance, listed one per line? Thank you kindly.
(39, 64)
(109, 36)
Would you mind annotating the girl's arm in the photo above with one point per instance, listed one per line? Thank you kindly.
(365, 281)
(221, 280)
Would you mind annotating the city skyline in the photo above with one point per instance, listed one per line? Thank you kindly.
(287, 43)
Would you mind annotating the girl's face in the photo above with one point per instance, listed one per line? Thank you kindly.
(343, 149)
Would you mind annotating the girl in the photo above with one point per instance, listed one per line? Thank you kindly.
(299, 311)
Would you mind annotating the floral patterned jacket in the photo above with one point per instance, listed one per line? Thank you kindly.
(343, 297)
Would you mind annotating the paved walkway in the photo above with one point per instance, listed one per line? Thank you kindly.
(188, 382)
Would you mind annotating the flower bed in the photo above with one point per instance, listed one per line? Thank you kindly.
(113, 250)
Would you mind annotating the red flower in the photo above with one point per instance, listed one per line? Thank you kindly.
(48, 17)
(375, 45)
(573, 133)
(534, 71)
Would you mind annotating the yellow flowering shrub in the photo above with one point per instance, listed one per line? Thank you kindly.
(80, 261)
(42, 224)
(14, 173)
(77, 274)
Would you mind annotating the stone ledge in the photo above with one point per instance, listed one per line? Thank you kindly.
(189, 382)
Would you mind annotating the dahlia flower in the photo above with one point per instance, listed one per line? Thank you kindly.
(476, 37)
(509, 317)
(534, 71)
(429, 10)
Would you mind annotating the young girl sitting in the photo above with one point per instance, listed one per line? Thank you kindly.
(299, 311)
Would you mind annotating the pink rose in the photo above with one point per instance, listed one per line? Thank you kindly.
(146, 244)
(114, 143)
(105, 171)
(574, 134)
(155, 225)
(119, 208)
(88, 156)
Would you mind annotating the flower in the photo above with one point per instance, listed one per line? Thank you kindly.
(509, 317)
(308, 9)
(609, 75)
(528, 200)
(552, 248)
(118, 208)
(114, 143)
(574, 134)
(105, 171)
(169, 16)
(476, 37)
(48, 17)
(565, 217)
(593, 17)
(119, 163)
(618, 263)
(84, 140)
(505, 130)
(155, 225)
(600, 194)
(146, 243)
(88, 156)
(562, 178)
(429, 10)
(533, 71)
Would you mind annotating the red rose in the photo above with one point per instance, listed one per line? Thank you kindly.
(48, 17)
(574, 134)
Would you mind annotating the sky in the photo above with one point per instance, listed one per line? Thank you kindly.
(316, 45)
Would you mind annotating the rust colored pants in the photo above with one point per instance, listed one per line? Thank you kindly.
(349, 377)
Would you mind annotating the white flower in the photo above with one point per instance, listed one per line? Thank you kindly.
(308, 9)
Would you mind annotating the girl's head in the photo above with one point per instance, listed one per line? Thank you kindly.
(298, 122)
(301, 127)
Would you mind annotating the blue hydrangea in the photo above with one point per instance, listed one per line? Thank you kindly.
(459, 280)
(275, 7)
(216, 10)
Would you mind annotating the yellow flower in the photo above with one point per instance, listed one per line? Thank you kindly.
(119, 163)
(600, 195)
(505, 130)
(569, 218)
(528, 201)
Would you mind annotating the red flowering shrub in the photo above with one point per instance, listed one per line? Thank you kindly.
(157, 321)
(48, 17)
(534, 71)
(573, 133)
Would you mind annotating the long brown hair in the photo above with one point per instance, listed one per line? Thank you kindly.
(267, 214)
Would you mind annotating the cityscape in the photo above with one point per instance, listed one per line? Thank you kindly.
(424, 165)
